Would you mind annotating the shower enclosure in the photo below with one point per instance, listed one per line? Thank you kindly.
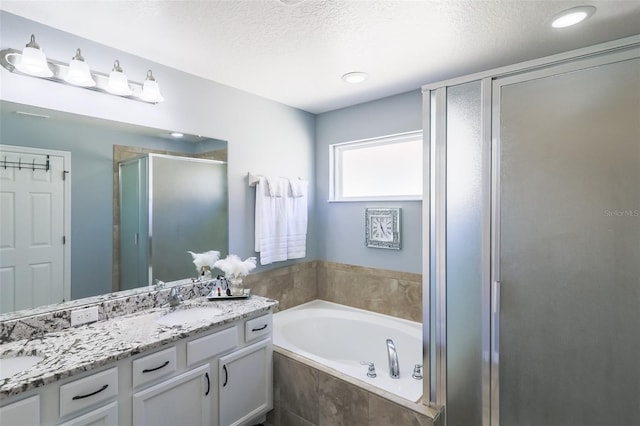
(534, 242)
(169, 205)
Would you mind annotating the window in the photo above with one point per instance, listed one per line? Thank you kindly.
(387, 168)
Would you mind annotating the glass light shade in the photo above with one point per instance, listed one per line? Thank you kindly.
(79, 74)
(151, 91)
(33, 62)
(118, 84)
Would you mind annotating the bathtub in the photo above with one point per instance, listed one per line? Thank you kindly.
(340, 337)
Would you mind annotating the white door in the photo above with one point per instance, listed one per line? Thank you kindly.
(34, 209)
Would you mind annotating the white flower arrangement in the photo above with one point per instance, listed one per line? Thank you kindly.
(234, 267)
(205, 262)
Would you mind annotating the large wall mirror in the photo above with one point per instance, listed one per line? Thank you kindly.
(95, 151)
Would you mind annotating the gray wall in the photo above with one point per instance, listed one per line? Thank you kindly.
(342, 224)
(264, 136)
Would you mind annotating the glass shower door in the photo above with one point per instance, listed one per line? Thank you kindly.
(567, 175)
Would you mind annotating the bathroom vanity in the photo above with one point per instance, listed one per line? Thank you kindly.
(204, 363)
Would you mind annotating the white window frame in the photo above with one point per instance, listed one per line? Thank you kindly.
(335, 166)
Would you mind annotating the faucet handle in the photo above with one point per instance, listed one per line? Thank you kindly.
(371, 372)
(417, 372)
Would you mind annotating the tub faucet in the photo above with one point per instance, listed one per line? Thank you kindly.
(394, 365)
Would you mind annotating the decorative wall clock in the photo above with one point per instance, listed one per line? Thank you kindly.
(382, 228)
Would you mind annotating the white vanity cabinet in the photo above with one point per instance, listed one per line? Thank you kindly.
(221, 377)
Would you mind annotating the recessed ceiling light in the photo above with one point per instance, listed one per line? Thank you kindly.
(572, 16)
(355, 77)
(177, 134)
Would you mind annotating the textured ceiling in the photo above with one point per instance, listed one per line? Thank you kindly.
(296, 54)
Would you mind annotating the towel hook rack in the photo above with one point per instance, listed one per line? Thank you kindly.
(4, 163)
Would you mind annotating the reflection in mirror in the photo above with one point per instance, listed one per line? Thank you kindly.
(94, 149)
(169, 205)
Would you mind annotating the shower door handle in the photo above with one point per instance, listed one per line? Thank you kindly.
(495, 313)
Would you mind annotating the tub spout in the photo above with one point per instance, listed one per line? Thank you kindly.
(394, 366)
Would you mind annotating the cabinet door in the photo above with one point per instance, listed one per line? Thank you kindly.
(104, 416)
(245, 383)
(24, 412)
(182, 400)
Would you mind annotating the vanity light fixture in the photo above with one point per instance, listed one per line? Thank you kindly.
(118, 82)
(79, 73)
(150, 89)
(177, 134)
(572, 16)
(32, 61)
(355, 77)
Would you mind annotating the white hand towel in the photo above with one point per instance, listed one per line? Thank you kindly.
(280, 219)
(270, 224)
(278, 186)
(299, 187)
(297, 220)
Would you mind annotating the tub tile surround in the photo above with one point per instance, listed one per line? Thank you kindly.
(394, 293)
(308, 393)
(79, 349)
(290, 285)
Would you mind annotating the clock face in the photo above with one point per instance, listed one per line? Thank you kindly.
(382, 228)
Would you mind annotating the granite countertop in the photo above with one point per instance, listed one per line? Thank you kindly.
(84, 348)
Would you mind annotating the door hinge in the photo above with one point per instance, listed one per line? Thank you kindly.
(64, 174)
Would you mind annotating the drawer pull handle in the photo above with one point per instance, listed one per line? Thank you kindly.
(208, 384)
(258, 329)
(226, 375)
(149, 370)
(90, 394)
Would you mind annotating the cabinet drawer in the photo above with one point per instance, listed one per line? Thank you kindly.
(257, 328)
(85, 392)
(211, 345)
(151, 367)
